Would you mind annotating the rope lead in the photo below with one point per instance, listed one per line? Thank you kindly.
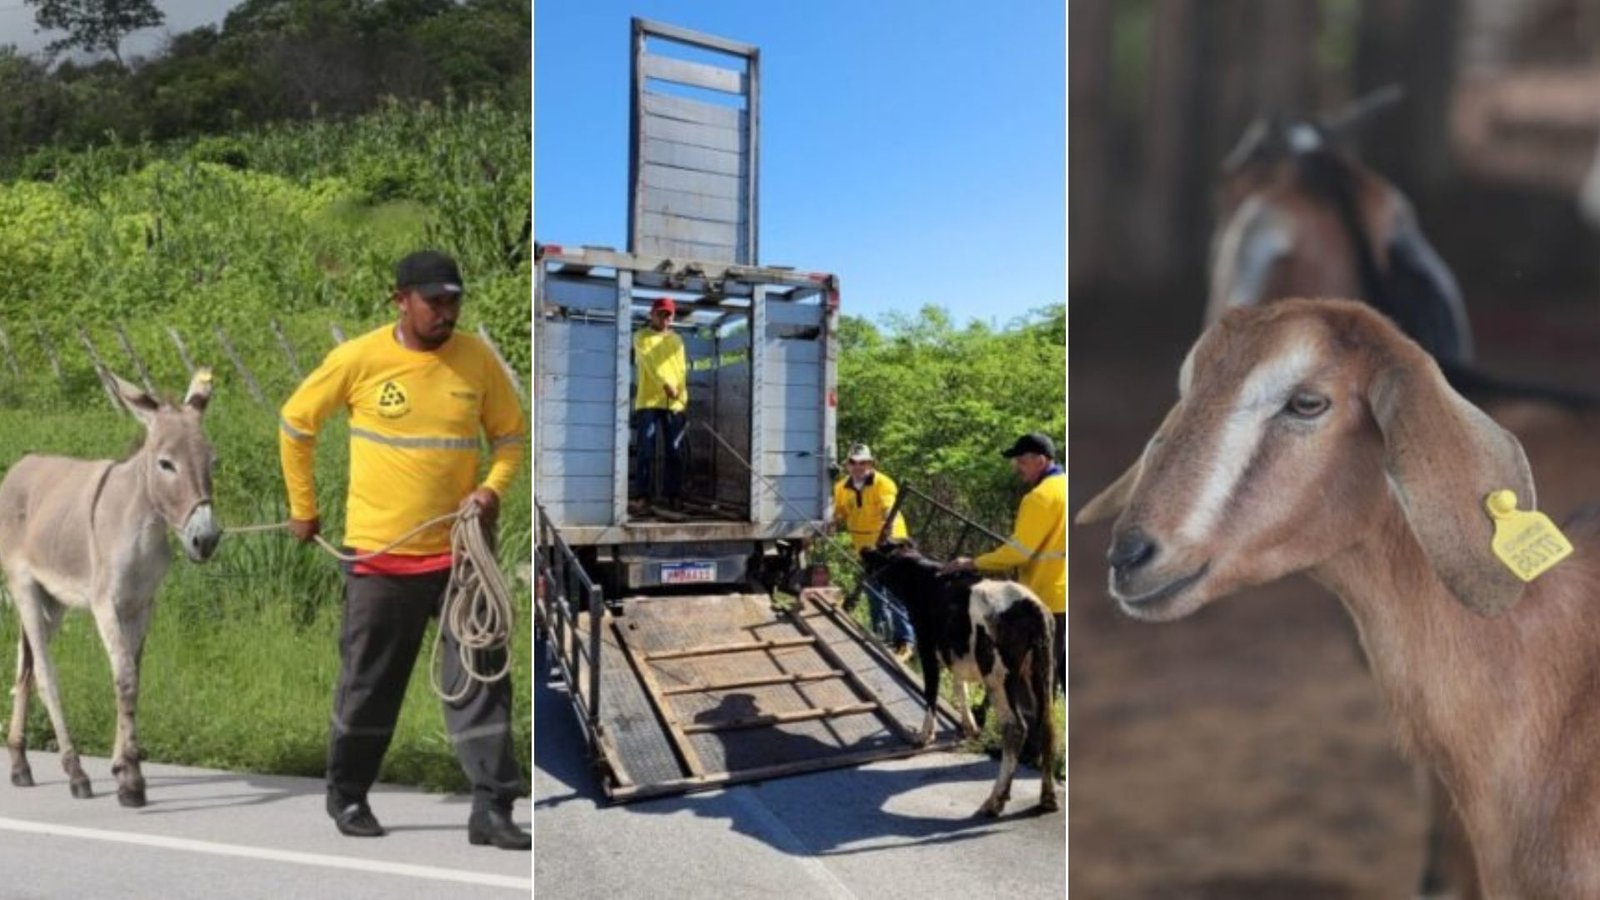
(477, 604)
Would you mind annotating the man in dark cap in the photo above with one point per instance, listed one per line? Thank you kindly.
(419, 396)
(1037, 548)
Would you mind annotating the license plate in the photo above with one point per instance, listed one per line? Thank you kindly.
(688, 573)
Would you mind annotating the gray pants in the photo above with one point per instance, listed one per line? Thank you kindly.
(385, 619)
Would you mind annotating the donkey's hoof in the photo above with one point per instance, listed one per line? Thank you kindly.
(131, 797)
(82, 790)
(22, 777)
(990, 810)
(1049, 803)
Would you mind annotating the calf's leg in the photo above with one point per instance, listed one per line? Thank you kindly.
(964, 708)
(929, 658)
(1013, 731)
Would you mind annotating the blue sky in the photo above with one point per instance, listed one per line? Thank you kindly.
(916, 149)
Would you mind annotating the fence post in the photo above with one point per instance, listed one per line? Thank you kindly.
(144, 373)
(101, 372)
(510, 372)
(288, 349)
(249, 380)
(50, 352)
(11, 358)
(183, 352)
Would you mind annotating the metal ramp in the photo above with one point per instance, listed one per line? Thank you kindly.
(679, 694)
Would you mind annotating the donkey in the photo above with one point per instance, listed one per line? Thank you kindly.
(90, 534)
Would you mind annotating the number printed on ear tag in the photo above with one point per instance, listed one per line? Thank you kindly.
(1525, 540)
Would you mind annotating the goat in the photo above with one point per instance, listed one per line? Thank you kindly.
(1313, 436)
(982, 630)
(1300, 217)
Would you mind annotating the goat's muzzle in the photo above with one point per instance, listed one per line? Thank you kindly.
(1148, 583)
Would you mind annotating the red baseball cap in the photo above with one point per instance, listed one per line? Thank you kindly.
(664, 303)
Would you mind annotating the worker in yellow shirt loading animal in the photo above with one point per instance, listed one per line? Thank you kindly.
(1037, 549)
(419, 396)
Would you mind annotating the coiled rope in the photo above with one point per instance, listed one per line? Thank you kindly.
(477, 610)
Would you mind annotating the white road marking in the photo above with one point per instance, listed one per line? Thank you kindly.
(288, 856)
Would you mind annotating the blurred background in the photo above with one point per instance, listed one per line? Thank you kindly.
(1492, 142)
(1244, 752)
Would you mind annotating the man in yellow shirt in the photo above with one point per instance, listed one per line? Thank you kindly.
(419, 397)
(861, 503)
(659, 404)
(1037, 548)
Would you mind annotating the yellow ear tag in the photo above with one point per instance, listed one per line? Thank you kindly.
(1525, 540)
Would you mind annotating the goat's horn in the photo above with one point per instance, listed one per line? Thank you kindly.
(1362, 108)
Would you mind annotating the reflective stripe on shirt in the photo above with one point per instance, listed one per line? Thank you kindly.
(416, 443)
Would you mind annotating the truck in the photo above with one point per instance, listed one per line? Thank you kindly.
(700, 645)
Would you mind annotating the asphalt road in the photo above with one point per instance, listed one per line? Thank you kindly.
(887, 830)
(212, 834)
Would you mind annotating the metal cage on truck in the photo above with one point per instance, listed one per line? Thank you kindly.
(694, 645)
(762, 345)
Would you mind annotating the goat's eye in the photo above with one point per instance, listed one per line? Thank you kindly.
(1306, 405)
(166, 465)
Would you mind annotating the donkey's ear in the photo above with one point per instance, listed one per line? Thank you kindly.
(199, 393)
(135, 398)
(1444, 456)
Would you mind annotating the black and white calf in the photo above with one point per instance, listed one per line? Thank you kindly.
(982, 630)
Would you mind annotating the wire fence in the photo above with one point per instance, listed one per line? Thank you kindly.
(40, 366)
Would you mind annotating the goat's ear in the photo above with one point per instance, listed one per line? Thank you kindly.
(199, 393)
(135, 398)
(1444, 456)
(1110, 502)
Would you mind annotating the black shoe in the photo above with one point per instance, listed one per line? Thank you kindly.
(494, 826)
(355, 819)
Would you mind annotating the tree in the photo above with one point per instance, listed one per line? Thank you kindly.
(95, 25)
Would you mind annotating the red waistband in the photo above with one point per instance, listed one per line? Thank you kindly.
(395, 564)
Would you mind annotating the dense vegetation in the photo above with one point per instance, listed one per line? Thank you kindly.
(270, 60)
(937, 402)
(300, 222)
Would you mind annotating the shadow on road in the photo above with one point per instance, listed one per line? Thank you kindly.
(835, 812)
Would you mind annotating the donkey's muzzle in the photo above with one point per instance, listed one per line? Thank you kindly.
(201, 533)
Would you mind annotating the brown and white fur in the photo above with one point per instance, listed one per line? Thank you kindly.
(78, 534)
(984, 631)
(1311, 436)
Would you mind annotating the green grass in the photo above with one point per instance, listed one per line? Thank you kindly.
(241, 659)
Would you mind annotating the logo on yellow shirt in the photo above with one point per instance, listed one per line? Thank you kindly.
(392, 400)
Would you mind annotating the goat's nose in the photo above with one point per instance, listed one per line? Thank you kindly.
(1130, 550)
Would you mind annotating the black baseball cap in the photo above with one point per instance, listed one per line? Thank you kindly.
(428, 272)
(1031, 443)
